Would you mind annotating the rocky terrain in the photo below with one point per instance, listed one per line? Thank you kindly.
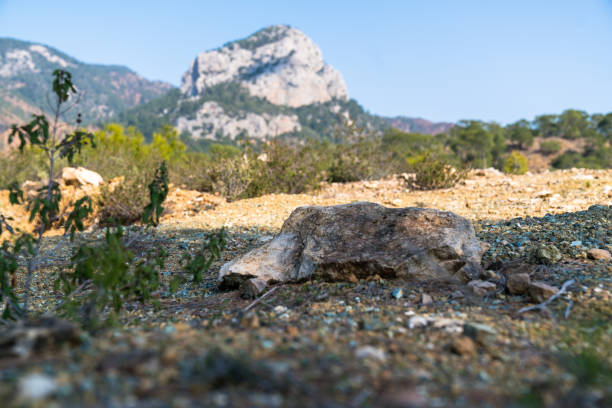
(369, 341)
(279, 63)
(25, 80)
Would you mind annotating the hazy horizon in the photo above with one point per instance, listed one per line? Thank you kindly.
(442, 61)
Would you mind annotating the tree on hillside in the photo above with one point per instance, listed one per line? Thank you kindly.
(472, 143)
(520, 133)
(547, 125)
(574, 124)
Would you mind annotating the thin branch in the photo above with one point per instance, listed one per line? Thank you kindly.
(569, 307)
(260, 298)
(78, 290)
(542, 306)
(73, 104)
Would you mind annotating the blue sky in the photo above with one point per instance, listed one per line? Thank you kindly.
(441, 60)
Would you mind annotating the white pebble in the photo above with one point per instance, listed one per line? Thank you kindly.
(36, 386)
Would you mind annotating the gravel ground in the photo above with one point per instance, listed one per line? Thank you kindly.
(372, 343)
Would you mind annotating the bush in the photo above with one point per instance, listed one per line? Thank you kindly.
(516, 163)
(106, 276)
(29, 164)
(283, 168)
(122, 202)
(434, 172)
(125, 201)
(549, 147)
(230, 178)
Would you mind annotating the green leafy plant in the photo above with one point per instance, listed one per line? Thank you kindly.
(105, 277)
(45, 207)
(158, 191)
(516, 163)
(200, 262)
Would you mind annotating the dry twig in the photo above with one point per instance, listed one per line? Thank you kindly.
(259, 299)
(543, 306)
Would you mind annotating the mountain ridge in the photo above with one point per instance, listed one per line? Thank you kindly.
(25, 81)
(272, 83)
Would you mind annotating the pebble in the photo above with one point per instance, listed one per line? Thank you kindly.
(599, 254)
(251, 320)
(463, 345)
(37, 386)
(481, 333)
(370, 352)
(280, 309)
(518, 284)
(540, 291)
(417, 321)
(547, 254)
(426, 299)
(482, 288)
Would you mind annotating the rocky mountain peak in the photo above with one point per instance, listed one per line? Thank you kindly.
(279, 63)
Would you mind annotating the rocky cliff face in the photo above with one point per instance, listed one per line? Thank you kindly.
(279, 63)
(26, 74)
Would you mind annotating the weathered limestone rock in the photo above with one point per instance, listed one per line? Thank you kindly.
(359, 240)
(80, 176)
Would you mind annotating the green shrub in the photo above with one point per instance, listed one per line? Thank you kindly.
(122, 202)
(283, 168)
(125, 202)
(104, 277)
(434, 172)
(28, 164)
(158, 191)
(40, 135)
(230, 178)
(516, 163)
(549, 147)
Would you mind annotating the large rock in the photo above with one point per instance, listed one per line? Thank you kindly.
(358, 240)
(80, 176)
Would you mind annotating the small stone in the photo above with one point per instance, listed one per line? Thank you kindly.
(37, 386)
(463, 345)
(490, 275)
(280, 309)
(518, 284)
(292, 331)
(369, 352)
(397, 293)
(251, 320)
(547, 254)
(170, 355)
(426, 299)
(599, 254)
(481, 333)
(417, 321)
(482, 288)
(540, 291)
(251, 288)
(457, 294)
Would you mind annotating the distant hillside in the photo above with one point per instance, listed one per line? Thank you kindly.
(418, 125)
(25, 81)
(272, 83)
